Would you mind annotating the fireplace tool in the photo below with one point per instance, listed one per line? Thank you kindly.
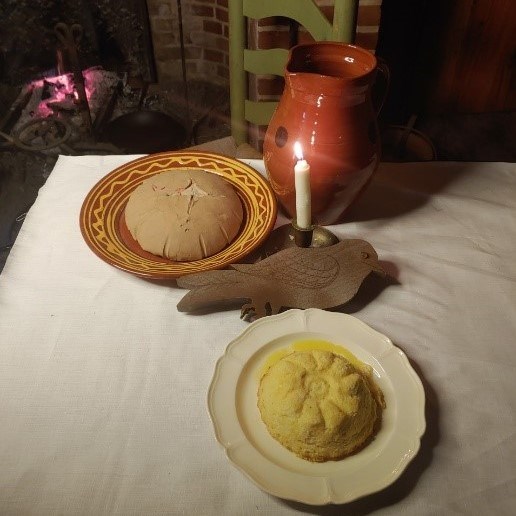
(145, 131)
(69, 36)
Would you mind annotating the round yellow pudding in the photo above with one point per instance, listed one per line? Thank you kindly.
(319, 405)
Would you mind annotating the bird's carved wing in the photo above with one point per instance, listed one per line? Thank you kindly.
(299, 267)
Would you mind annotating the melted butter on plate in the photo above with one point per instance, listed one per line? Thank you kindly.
(314, 344)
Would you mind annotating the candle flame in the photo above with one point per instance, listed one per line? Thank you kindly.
(298, 151)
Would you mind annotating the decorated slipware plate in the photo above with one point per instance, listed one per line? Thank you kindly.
(232, 404)
(103, 225)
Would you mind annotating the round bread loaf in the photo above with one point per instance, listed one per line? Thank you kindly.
(318, 405)
(184, 215)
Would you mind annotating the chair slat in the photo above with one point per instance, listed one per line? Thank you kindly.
(259, 113)
(304, 12)
(266, 62)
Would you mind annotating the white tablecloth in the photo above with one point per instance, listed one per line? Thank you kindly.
(103, 383)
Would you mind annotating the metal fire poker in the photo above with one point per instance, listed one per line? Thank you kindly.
(69, 37)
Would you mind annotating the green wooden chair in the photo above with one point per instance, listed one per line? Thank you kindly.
(263, 62)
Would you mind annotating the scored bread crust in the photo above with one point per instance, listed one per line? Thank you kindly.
(184, 215)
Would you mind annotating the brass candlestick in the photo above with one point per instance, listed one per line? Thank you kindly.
(315, 236)
(291, 235)
(302, 236)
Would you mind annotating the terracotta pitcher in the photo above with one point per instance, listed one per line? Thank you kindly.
(326, 106)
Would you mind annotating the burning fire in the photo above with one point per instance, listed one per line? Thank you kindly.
(60, 89)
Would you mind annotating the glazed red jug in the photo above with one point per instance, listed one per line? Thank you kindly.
(326, 106)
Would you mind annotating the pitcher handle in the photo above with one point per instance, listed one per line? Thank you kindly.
(383, 68)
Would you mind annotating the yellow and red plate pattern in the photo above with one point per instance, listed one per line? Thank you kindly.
(102, 220)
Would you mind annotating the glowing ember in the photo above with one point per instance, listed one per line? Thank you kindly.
(56, 97)
(60, 89)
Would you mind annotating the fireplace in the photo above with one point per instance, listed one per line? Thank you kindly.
(58, 94)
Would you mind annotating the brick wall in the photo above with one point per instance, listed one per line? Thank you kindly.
(205, 26)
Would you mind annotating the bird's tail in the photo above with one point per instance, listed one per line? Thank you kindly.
(203, 279)
(210, 288)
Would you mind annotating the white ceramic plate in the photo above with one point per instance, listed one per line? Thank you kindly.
(232, 403)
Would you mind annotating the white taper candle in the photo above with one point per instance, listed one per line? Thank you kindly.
(303, 193)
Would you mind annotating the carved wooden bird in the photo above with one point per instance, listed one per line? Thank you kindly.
(296, 277)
